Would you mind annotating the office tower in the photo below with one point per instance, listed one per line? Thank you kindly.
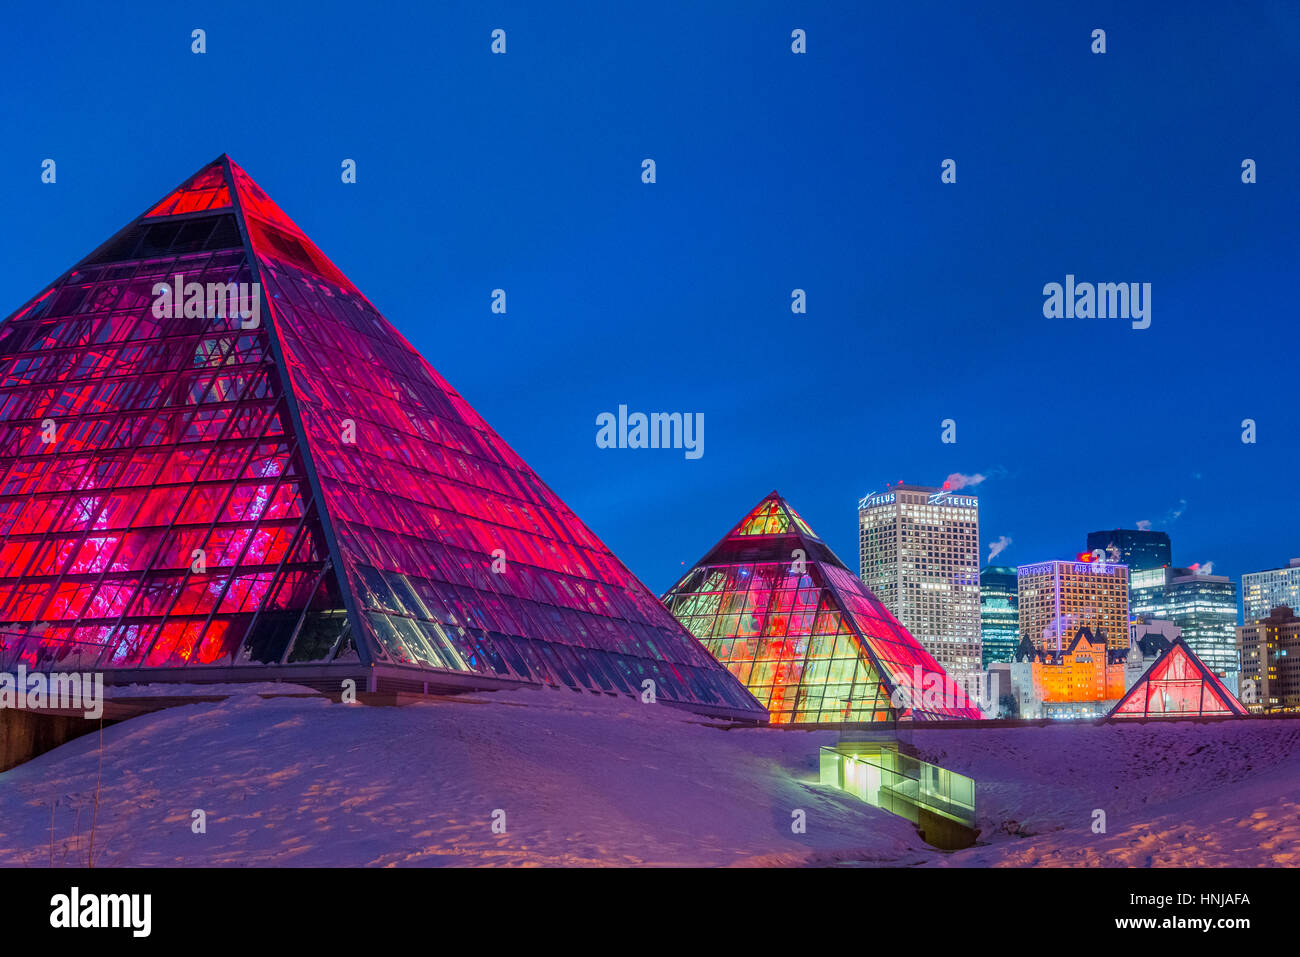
(1270, 662)
(1139, 549)
(999, 613)
(919, 550)
(1057, 598)
(1261, 592)
(1203, 606)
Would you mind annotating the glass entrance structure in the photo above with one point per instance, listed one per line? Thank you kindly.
(774, 604)
(904, 785)
(216, 456)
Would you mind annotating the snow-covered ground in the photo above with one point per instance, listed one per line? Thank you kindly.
(585, 780)
(168, 689)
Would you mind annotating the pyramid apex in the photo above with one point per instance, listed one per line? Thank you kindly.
(217, 160)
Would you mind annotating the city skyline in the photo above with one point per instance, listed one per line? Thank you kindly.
(1069, 553)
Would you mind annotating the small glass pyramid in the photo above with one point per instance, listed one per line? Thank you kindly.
(775, 605)
(1178, 685)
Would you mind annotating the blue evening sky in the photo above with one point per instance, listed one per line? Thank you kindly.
(775, 172)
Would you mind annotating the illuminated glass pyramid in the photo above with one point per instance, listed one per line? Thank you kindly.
(775, 605)
(1178, 685)
(216, 455)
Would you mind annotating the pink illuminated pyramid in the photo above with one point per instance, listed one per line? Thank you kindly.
(220, 462)
(1178, 685)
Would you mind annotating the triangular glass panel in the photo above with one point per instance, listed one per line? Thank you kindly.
(204, 191)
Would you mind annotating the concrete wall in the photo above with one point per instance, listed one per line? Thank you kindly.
(26, 734)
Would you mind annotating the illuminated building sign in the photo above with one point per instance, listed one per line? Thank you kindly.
(947, 498)
(1081, 568)
(880, 498)
(935, 498)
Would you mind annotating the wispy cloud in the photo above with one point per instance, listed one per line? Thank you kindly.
(1170, 516)
(998, 547)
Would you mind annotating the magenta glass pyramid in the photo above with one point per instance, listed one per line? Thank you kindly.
(267, 474)
(774, 604)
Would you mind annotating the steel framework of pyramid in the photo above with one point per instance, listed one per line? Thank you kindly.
(1178, 685)
(258, 474)
(774, 604)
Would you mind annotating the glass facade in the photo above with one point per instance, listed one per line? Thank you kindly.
(899, 783)
(999, 613)
(775, 605)
(1261, 592)
(1139, 549)
(1178, 684)
(134, 443)
(286, 483)
(1204, 607)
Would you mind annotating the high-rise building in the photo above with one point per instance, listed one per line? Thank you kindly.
(999, 613)
(919, 549)
(1057, 598)
(223, 463)
(1139, 549)
(1270, 662)
(1261, 592)
(1203, 606)
(774, 604)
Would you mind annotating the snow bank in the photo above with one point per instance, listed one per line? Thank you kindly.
(589, 780)
(163, 689)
